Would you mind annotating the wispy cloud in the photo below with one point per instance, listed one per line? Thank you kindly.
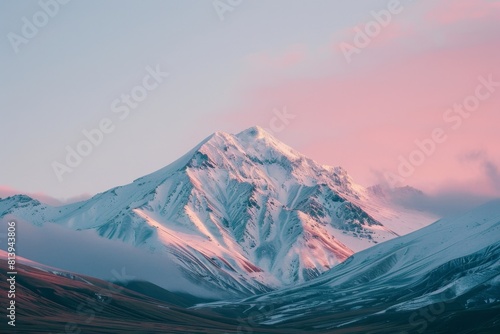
(488, 165)
(459, 11)
(447, 201)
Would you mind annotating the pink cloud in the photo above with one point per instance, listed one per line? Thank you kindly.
(455, 11)
(428, 25)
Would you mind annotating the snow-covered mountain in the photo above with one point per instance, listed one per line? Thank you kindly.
(243, 213)
(445, 270)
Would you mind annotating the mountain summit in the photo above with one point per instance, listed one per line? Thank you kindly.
(241, 213)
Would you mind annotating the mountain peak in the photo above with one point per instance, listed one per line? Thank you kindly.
(254, 141)
(22, 198)
(248, 137)
(254, 132)
(241, 213)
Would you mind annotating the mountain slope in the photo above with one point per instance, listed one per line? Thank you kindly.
(242, 213)
(446, 270)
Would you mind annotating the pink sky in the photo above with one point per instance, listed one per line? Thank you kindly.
(365, 114)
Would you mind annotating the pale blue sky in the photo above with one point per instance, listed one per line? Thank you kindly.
(64, 79)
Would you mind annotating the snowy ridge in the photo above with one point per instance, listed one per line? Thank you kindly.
(455, 260)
